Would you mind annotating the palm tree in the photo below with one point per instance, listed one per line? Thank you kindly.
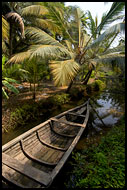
(15, 25)
(76, 48)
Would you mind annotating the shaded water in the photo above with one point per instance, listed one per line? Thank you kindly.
(110, 107)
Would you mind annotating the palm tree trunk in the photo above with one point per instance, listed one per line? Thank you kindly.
(10, 42)
(69, 87)
(87, 77)
(34, 92)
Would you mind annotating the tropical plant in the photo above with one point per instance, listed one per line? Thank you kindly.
(5, 35)
(75, 48)
(7, 83)
(12, 27)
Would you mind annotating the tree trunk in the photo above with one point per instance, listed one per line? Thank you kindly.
(34, 92)
(10, 42)
(69, 87)
(87, 77)
(30, 87)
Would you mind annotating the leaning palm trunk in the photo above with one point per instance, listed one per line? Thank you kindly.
(87, 77)
(69, 86)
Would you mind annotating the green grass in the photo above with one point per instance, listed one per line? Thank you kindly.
(101, 166)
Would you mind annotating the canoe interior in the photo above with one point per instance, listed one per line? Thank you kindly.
(36, 157)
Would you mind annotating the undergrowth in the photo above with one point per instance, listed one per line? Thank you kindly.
(102, 166)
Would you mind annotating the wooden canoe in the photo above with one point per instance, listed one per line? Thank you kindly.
(33, 159)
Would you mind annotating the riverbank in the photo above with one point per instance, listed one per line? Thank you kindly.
(21, 109)
(101, 165)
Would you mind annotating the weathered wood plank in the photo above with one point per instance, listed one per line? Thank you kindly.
(17, 139)
(76, 114)
(61, 134)
(27, 170)
(10, 175)
(70, 149)
(65, 129)
(11, 181)
(67, 122)
(34, 158)
(49, 145)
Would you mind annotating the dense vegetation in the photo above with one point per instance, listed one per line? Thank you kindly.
(50, 42)
(102, 165)
(43, 37)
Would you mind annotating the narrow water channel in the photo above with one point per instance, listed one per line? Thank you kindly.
(109, 106)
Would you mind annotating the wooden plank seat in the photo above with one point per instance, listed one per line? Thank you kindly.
(33, 157)
(58, 133)
(33, 173)
(49, 145)
(76, 114)
(83, 109)
(67, 122)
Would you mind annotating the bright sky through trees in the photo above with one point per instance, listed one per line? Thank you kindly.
(96, 9)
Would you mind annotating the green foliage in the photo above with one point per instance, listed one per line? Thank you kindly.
(99, 84)
(92, 75)
(77, 92)
(6, 81)
(101, 166)
(59, 99)
(23, 114)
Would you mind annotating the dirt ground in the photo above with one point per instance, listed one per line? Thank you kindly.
(25, 96)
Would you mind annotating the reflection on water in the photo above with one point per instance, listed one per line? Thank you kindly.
(110, 107)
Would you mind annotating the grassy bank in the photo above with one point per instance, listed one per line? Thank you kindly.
(101, 166)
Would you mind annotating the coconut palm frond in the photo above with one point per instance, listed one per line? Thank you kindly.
(79, 14)
(118, 49)
(57, 15)
(16, 18)
(64, 71)
(47, 24)
(50, 51)
(84, 39)
(5, 29)
(109, 57)
(34, 10)
(19, 57)
(69, 45)
(120, 27)
(4, 48)
(40, 37)
(92, 25)
(115, 10)
(5, 35)
(117, 18)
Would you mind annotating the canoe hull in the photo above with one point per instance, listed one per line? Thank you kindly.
(34, 159)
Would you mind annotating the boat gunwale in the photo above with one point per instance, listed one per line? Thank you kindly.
(34, 129)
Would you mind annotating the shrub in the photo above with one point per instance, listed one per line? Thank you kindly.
(59, 99)
(23, 114)
(99, 85)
